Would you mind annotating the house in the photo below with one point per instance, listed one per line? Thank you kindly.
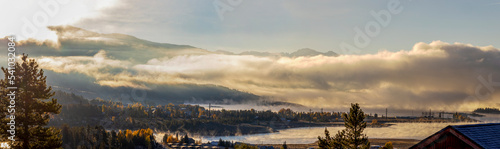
(475, 136)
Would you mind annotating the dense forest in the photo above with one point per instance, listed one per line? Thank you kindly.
(487, 110)
(98, 137)
(78, 111)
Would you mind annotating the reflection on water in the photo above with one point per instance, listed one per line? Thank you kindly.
(417, 131)
(489, 118)
(309, 135)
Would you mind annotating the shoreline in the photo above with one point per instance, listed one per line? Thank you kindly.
(397, 143)
(252, 129)
(377, 136)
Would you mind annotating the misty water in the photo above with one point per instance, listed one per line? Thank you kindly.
(417, 131)
(308, 135)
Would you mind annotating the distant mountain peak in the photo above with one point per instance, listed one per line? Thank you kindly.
(306, 50)
(309, 52)
(300, 52)
(224, 52)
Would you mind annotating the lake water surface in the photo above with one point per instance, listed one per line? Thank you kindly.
(308, 135)
(417, 131)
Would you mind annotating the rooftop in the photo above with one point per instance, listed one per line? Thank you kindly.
(485, 135)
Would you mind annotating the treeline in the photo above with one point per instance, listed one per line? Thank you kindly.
(310, 116)
(175, 139)
(487, 110)
(65, 98)
(182, 118)
(98, 137)
(77, 111)
(225, 143)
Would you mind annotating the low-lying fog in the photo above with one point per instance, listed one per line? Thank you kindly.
(309, 135)
(391, 112)
(417, 131)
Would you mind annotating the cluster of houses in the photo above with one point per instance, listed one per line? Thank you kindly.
(191, 146)
(210, 145)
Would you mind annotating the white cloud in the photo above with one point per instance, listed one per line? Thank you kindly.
(437, 74)
(30, 18)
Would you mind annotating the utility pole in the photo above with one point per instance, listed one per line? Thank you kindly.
(385, 113)
(209, 106)
(321, 110)
(310, 116)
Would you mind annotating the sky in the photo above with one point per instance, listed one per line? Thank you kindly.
(262, 25)
(399, 54)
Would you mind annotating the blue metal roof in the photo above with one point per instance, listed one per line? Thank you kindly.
(485, 135)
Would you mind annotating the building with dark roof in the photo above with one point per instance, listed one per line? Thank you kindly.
(476, 136)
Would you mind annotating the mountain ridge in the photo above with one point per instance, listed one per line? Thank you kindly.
(304, 52)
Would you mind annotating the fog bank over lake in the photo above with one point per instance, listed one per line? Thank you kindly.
(417, 131)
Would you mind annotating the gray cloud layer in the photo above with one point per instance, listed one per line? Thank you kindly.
(435, 75)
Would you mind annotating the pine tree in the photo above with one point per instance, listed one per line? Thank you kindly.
(329, 142)
(104, 135)
(33, 106)
(326, 142)
(164, 140)
(186, 139)
(220, 142)
(65, 134)
(352, 137)
(355, 124)
(114, 140)
(284, 146)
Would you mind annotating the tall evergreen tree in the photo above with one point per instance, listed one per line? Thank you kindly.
(355, 124)
(165, 139)
(65, 133)
(352, 137)
(186, 139)
(33, 106)
(114, 139)
(221, 143)
(284, 146)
